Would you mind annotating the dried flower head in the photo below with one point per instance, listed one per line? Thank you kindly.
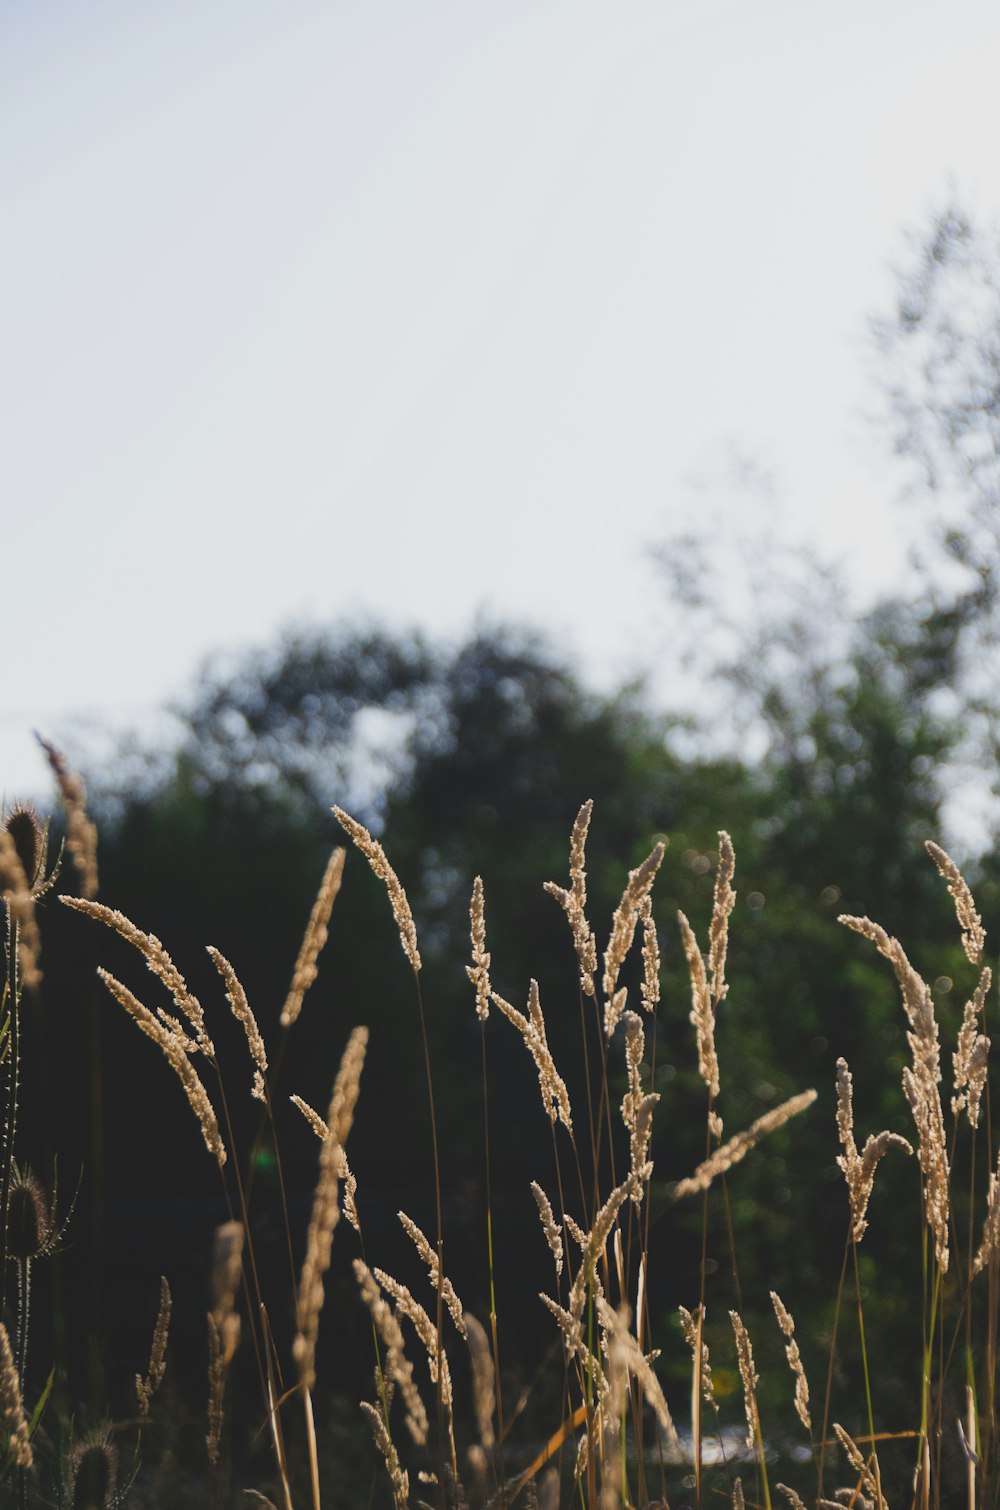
(25, 828)
(859, 1169)
(31, 1226)
(626, 916)
(739, 1146)
(787, 1325)
(315, 937)
(555, 1096)
(146, 1388)
(81, 833)
(95, 1471)
(379, 862)
(574, 901)
(14, 1420)
(479, 971)
(973, 932)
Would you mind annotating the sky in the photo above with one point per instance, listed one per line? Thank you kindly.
(428, 312)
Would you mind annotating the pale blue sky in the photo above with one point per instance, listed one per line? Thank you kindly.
(418, 310)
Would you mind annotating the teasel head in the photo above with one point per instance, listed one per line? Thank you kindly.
(94, 1471)
(32, 1226)
(24, 826)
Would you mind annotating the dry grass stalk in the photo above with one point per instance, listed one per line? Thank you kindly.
(242, 1012)
(722, 905)
(650, 958)
(626, 916)
(146, 1388)
(920, 1084)
(223, 1325)
(738, 1147)
(81, 832)
(484, 1394)
(859, 1169)
(749, 1379)
(408, 1306)
(158, 961)
(592, 1245)
(969, 920)
(479, 971)
(398, 1476)
(971, 1057)
(377, 859)
(637, 1109)
(430, 1258)
(739, 1503)
(796, 1502)
(12, 1406)
(314, 938)
(325, 1210)
(396, 1366)
(702, 1009)
(574, 901)
(787, 1325)
(640, 1367)
(867, 1481)
(16, 891)
(555, 1096)
(990, 1242)
(690, 1328)
(552, 1229)
(174, 1046)
(313, 1117)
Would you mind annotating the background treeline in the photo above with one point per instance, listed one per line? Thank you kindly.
(852, 736)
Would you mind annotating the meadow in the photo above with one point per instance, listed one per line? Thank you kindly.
(648, 1388)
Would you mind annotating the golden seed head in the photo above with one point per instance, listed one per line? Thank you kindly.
(25, 828)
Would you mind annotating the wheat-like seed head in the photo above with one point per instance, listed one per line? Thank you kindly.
(973, 932)
(555, 1096)
(921, 1081)
(859, 1169)
(787, 1325)
(636, 1362)
(397, 1366)
(430, 1258)
(970, 1059)
(398, 1476)
(325, 1210)
(650, 958)
(174, 1047)
(739, 1146)
(722, 905)
(315, 937)
(146, 1388)
(242, 1012)
(702, 1008)
(689, 1326)
(378, 860)
(81, 832)
(479, 971)
(158, 961)
(744, 1356)
(484, 1395)
(12, 1406)
(574, 901)
(626, 916)
(551, 1228)
(637, 1109)
(408, 1306)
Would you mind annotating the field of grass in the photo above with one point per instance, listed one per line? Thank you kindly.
(449, 1418)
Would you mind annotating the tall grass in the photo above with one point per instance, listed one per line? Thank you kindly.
(608, 1426)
